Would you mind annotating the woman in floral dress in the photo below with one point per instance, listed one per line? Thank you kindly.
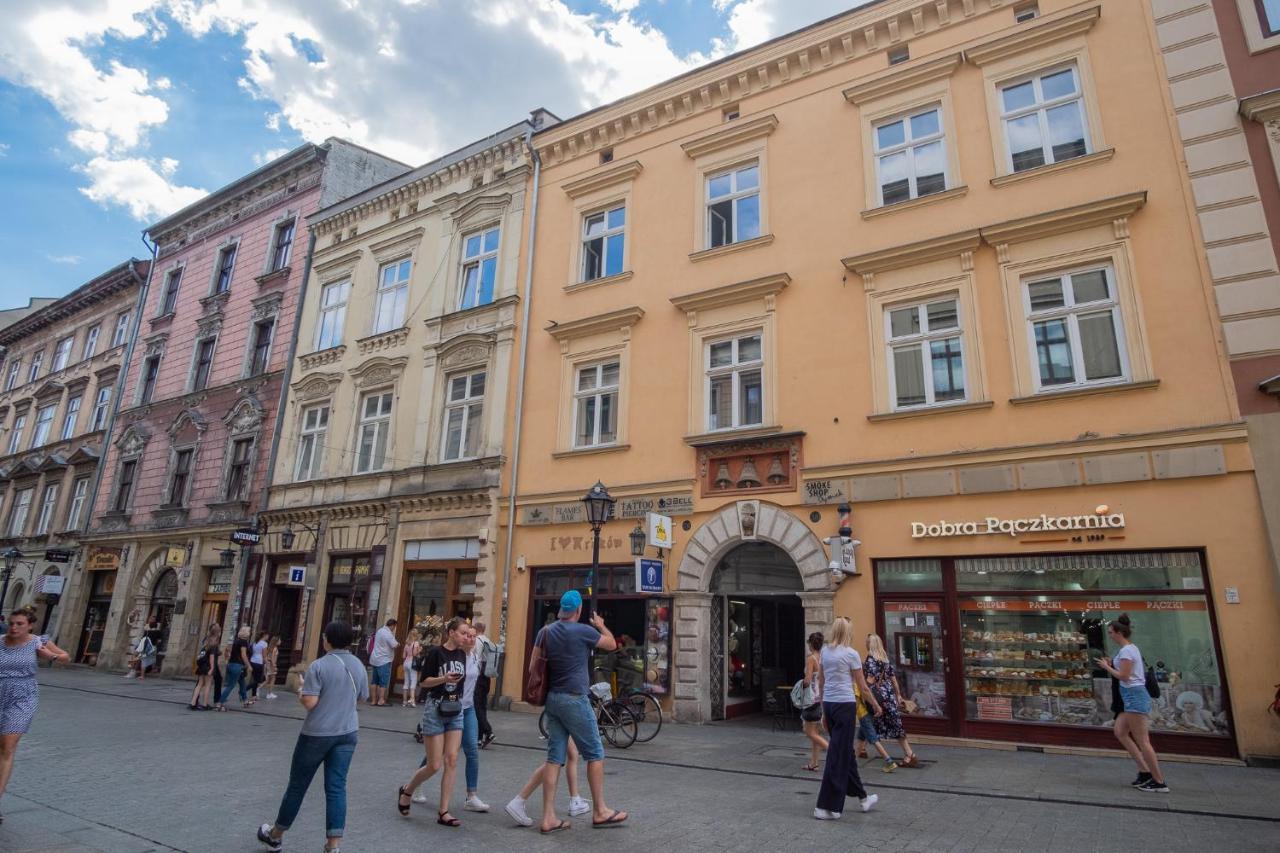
(883, 680)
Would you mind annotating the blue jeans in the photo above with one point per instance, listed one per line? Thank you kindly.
(235, 678)
(571, 715)
(309, 753)
(867, 730)
(471, 747)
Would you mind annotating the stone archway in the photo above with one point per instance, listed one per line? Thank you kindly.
(718, 535)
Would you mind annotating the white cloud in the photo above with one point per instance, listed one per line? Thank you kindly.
(69, 260)
(754, 21)
(4, 149)
(143, 186)
(264, 157)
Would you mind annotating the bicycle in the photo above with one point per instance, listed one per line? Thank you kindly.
(647, 710)
(615, 718)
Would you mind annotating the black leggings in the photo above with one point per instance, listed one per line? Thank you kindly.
(259, 676)
(217, 684)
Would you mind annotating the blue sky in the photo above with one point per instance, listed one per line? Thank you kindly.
(114, 113)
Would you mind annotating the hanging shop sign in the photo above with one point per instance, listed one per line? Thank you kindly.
(1100, 519)
(659, 530)
(57, 555)
(297, 575)
(246, 536)
(102, 560)
(648, 575)
(175, 556)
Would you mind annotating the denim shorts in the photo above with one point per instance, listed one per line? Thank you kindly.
(381, 675)
(434, 724)
(867, 730)
(1136, 699)
(570, 715)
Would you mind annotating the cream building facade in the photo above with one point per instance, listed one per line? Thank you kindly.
(904, 316)
(383, 492)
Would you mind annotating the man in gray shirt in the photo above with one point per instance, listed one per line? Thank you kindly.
(331, 689)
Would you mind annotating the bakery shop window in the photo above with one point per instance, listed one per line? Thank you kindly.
(1029, 655)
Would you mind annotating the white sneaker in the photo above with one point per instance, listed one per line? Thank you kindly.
(578, 806)
(475, 804)
(823, 814)
(271, 695)
(869, 802)
(515, 810)
(419, 797)
(131, 674)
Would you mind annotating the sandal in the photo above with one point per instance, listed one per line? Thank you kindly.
(404, 810)
(451, 821)
(811, 767)
(562, 825)
(911, 760)
(611, 821)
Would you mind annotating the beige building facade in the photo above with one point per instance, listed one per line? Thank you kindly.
(383, 500)
(930, 276)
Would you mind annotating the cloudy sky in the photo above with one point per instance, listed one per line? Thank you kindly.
(114, 113)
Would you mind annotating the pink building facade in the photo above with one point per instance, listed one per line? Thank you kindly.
(190, 448)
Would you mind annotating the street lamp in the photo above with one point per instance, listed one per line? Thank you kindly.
(11, 558)
(637, 541)
(599, 505)
(227, 558)
(286, 538)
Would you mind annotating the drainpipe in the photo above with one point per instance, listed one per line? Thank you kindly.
(281, 401)
(505, 568)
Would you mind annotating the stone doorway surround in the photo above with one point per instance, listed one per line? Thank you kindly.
(719, 535)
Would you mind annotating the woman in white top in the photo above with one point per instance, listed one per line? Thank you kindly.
(1132, 724)
(841, 670)
(257, 664)
(410, 686)
(812, 715)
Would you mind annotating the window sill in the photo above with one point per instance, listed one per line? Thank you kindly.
(913, 203)
(390, 339)
(931, 410)
(281, 275)
(616, 278)
(589, 451)
(214, 301)
(731, 247)
(723, 435)
(1088, 159)
(162, 320)
(319, 358)
(1086, 391)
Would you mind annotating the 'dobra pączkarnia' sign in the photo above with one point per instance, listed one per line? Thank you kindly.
(1100, 519)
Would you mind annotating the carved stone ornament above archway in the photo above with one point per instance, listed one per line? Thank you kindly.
(188, 416)
(378, 371)
(316, 387)
(133, 440)
(245, 416)
(723, 532)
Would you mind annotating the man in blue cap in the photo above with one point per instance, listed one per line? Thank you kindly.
(567, 645)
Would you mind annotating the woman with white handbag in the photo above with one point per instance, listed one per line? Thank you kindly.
(810, 703)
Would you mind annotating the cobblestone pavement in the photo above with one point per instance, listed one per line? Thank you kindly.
(113, 765)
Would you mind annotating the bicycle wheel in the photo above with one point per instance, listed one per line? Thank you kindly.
(542, 724)
(648, 715)
(618, 723)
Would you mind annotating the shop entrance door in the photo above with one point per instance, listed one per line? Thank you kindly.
(917, 640)
(282, 622)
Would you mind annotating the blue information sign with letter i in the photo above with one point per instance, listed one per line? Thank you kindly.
(648, 575)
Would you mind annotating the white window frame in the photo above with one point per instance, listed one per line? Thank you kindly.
(477, 262)
(62, 353)
(311, 441)
(908, 146)
(121, 332)
(15, 437)
(37, 363)
(70, 417)
(48, 503)
(15, 370)
(392, 297)
(923, 341)
(1041, 108)
(735, 196)
(20, 512)
(1072, 311)
(79, 493)
(335, 312)
(464, 404)
(43, 425)
(91, 341)
(101, 404)
(735, 368)
(598, 391)
(604, 237)
(380, 422)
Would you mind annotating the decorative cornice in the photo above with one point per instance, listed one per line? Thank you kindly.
(316, 387)
(898, 78)
(1114, 211)
(343, 264)
(121, 277)
(732, 294)
(312, 360)
(733, 133)
(378, 371)
(618, 173)
(920, 252)
(610, 321)
(1029, 36)
(1261, 107)
(397, 245)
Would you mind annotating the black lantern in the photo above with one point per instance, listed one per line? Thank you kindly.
(599, 504)
(286, 538)
(227, 557)
(11, 558)
(637, 541)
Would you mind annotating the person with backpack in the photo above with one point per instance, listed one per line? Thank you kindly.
(1132, 726)
(489, 658)
(331, 690)
(810, 703)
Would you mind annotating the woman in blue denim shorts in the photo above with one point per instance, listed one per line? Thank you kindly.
(443, 672)
(1132, 723)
